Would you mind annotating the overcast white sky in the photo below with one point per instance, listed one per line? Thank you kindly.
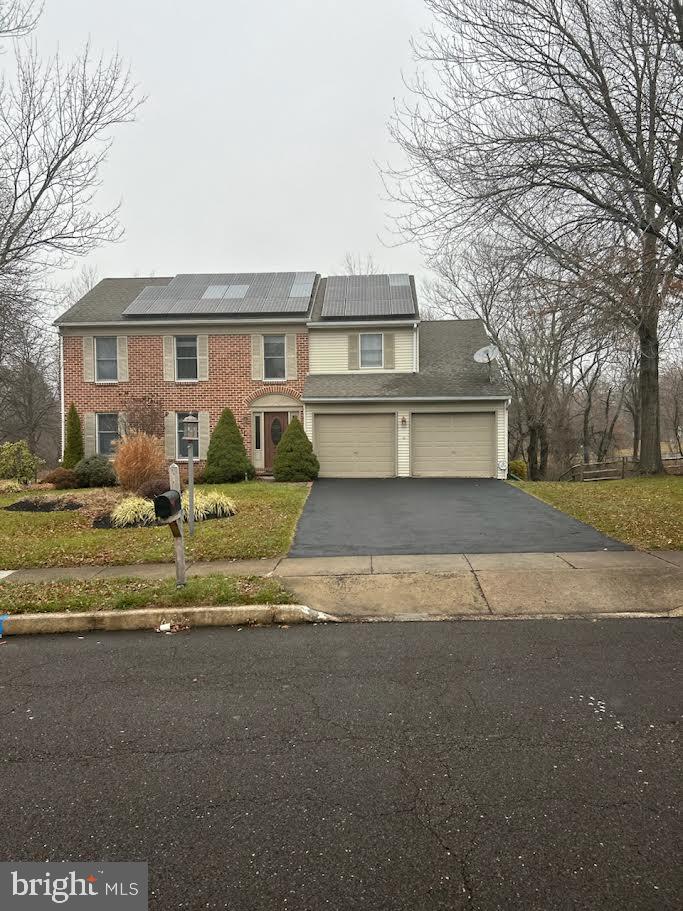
(256, 148)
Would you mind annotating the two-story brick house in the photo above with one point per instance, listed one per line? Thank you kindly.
(381, 393)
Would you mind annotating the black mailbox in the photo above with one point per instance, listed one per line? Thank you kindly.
(167, 506)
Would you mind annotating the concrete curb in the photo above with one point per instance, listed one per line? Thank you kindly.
(457, 618)
(151, 617)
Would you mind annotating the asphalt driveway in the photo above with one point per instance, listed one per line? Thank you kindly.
(435, 516)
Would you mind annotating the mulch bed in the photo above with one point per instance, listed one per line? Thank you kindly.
(43, 504)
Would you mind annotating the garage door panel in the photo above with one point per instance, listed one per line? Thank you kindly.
(453, 445)
(355, 445)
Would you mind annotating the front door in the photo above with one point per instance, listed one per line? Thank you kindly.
(274, 424)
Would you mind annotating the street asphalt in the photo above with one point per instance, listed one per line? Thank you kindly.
(344, 517)
(406, 766)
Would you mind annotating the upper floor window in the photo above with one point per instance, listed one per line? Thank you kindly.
(186, 357)
(274, 357)
(106, 361)
(371, 354)
(181, 444)
(107, 432)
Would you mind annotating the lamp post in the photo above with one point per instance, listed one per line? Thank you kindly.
(190, 436)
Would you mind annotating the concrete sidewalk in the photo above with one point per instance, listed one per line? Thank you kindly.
(444, 586)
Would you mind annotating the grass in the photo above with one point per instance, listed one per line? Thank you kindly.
(263, 527)
(76, 596)
(644, 512)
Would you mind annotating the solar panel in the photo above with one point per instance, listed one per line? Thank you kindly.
(238, 294)
(367, 296)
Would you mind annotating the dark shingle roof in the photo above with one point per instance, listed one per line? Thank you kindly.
(446, 369)
(107, 300)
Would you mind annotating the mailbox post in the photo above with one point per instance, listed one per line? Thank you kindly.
(191, 436)
(168, 509)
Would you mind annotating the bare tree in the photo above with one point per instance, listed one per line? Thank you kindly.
(55, 126)
(18, 17)
(559, 117)
(355, 264)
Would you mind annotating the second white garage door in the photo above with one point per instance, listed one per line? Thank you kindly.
(355, 445)
(453, 445)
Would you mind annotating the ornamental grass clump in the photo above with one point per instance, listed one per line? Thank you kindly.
(136, 511)
(139, 458)
(132, 512)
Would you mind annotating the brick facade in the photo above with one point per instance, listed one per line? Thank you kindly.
(229, 385)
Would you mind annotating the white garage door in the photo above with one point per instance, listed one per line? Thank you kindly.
(355, 445)
(453, 445)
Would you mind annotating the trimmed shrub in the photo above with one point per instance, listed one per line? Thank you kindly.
(153, 488)
(294, 456)
(139, 458)
(18, 463)
(518, 467)
(62, 478)
(73, 443)
(227, 460)
(95, 471)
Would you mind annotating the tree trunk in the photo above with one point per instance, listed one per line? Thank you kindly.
(636, 434)
(650, 447)
(532, 453)
(545, 449)
(586, 435)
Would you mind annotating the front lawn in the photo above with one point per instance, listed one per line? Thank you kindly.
(644, 512)
(78, 596)
(263, 527)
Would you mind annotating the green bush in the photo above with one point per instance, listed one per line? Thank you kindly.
(95, 471)
(62, 478)
(518, 467)
(73, 445)
(294, 456)
(17, 462)
(227, 460)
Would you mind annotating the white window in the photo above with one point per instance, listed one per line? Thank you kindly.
(107, 433)
(371, 353)
(186, 357)
(274, 366)
(106, 361)
(181, 445)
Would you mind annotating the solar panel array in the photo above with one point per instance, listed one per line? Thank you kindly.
(238, 294)
(368, 296)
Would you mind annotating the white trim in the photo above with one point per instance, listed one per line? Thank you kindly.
(410, 323)
(289, 321)
(360, 352)
(406, 398)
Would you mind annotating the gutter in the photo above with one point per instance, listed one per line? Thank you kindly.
(61, 391)
(407, 398)
(410, 323)
(143, 324)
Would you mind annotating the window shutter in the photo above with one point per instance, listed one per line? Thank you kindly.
(257, 357)
(353, 350)
(204, 434)
(388, 342)
(122, 358)
(88, 359)
(123, 424)
(89, 434)
(170, 425)
(202, 357)
(290, 348)
(169, 357)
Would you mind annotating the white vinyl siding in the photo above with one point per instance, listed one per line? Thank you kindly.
(329, 351)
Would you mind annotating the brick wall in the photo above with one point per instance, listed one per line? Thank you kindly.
(229, 385)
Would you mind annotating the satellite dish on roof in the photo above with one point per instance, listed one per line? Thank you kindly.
(486, 354)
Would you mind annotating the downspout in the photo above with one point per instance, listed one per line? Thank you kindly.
(61, 389)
